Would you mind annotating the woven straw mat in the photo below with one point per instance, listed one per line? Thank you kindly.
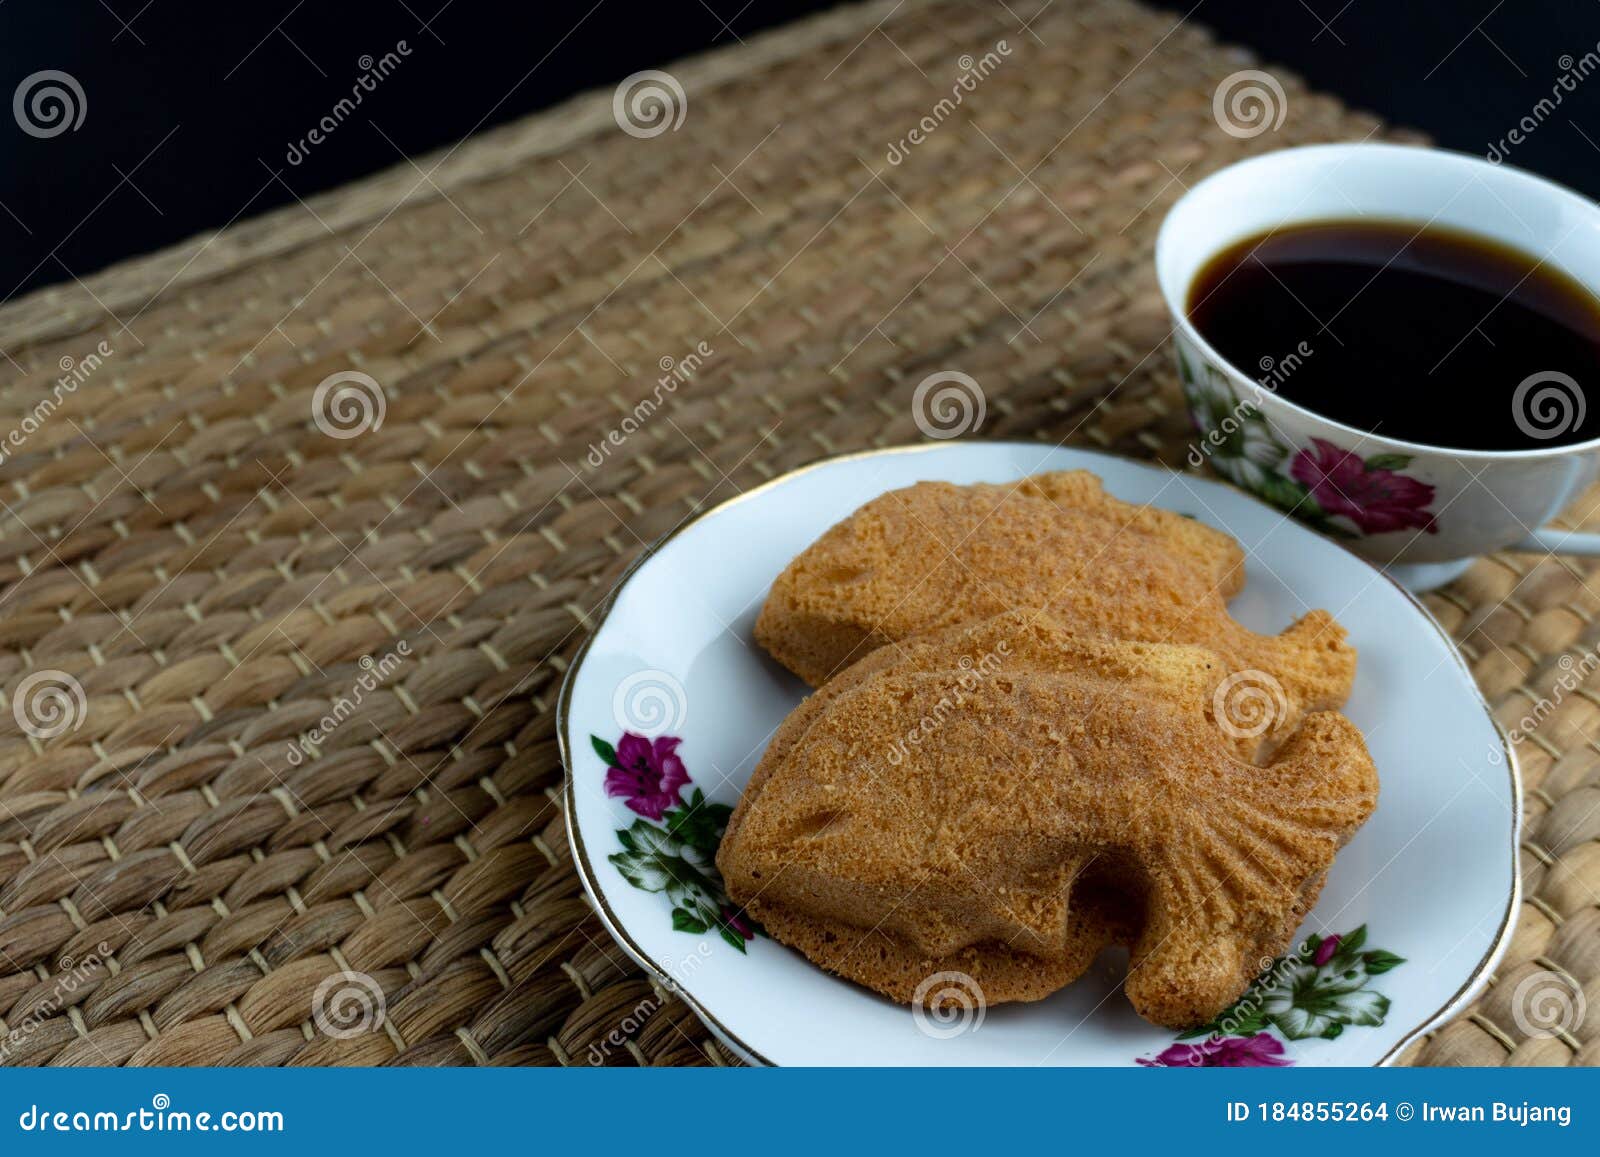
(183, 873)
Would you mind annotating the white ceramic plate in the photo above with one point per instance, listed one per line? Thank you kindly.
(1431, 877)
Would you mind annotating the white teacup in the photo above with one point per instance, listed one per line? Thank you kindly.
(1422, 511)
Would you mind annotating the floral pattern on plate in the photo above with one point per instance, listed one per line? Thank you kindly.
(672, 847)
(1311, 993)
(1318, 483)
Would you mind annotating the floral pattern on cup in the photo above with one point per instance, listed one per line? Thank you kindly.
(672, 847)
(1318, 483)
(1314, 992)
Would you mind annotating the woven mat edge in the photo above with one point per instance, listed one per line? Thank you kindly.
(75, 306)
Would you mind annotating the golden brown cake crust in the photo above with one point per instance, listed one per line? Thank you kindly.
(936, 554)
(1093, 924)
(881, 844)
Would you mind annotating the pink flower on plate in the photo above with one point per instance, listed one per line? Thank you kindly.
(647, 774)
(1375, 498)
(738, 922)
(1325, 951)
(1233, 1052)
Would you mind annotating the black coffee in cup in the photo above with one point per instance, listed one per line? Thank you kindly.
(1416, 332)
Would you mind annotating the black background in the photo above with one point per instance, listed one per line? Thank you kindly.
(191, 107)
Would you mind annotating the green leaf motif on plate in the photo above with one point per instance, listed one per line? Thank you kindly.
(676, 855)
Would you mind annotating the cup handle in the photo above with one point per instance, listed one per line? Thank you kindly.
(1553, 540)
